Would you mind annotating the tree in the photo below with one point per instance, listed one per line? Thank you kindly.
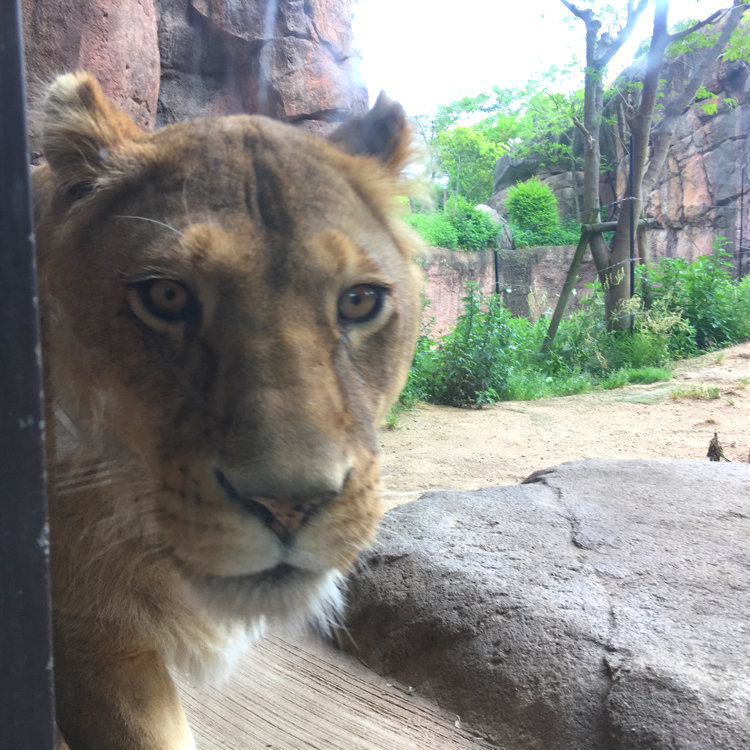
(468, 156)
(652, 136)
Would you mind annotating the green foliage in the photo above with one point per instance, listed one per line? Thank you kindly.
(532, 211)
(468, 156)
(567, 234)
(738, 48)
(711, 101)
(532, 206)
(739, 43)
(714, 307)
(474, 229)
(460, 225)
(466, 137)
(491, 355)
(436, 228)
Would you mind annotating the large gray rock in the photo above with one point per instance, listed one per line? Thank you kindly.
(601, 604)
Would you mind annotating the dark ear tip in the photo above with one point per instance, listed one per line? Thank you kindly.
(380, 132)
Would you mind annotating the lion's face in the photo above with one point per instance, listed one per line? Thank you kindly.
(237, 294)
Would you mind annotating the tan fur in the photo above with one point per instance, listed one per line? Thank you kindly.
(260, 389)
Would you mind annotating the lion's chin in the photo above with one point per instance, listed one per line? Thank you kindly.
(282, 596)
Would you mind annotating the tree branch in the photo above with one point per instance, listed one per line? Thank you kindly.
(584, 15)
(588, 137)
(624, 33)
(699, 25)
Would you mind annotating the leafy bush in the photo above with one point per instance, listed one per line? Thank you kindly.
(714, 307)
(475, 230)
(459, 226)
(532, 207)
(532, 214)
(435, 229)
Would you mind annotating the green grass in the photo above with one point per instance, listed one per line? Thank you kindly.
(638, 375)
(393, 417)
(696, 392)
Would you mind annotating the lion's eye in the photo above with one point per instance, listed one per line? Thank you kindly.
(167, 299)
(361, 303)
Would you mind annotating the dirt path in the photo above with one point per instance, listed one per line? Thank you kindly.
(438, 447)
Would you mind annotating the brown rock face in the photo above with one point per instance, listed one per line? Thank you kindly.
(699, 193)
(113, 39)
(289, 59)
(168, 60)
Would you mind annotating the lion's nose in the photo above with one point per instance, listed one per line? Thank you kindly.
(285, 517)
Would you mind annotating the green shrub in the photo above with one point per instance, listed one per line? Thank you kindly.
(704, 294)
(475, 230)
(459, 226)
(436, 229)
(532, 207)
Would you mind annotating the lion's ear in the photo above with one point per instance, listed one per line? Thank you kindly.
(382, 133)
(80, 130)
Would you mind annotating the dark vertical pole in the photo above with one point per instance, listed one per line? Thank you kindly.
(741, 255)
(26, 699)
(632, 225)
(497, 272)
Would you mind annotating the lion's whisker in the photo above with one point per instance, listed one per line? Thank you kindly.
(153, 221)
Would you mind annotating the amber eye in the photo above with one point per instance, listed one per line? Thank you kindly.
(168, 300)
(361, 303)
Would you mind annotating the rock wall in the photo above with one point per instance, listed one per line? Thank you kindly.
(699, 193)
(530, 280)
(168, 60)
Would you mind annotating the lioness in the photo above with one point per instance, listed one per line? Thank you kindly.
(229, 307)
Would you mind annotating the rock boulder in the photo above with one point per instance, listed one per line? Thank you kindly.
(601, 604)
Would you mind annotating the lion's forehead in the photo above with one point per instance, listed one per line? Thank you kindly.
(253, 162)
(238, 194)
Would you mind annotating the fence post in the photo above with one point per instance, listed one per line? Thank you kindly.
(26, 693)
(741, 254)
(631, 186)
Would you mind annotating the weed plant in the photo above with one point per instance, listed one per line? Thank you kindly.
(682, 309)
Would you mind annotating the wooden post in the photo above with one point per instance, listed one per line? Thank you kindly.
(575, 264)
(570, 281)
(26, 693)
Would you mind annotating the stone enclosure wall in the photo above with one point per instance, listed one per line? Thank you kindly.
(530, 280)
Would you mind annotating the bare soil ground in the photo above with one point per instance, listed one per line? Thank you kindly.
(438, 447)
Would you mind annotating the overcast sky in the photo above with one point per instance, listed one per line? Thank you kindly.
(425, 53)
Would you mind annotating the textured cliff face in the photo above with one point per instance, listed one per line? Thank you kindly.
(116, 40)
(290, 59)
(168, 60)
(698, 193)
